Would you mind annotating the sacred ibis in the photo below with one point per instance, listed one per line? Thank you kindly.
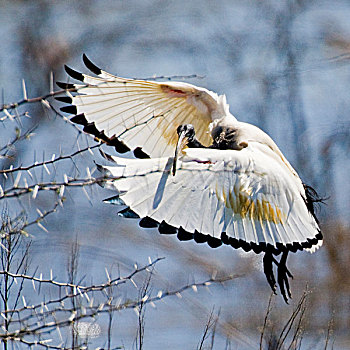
(199, 172)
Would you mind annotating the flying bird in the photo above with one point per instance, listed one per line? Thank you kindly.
(199, 173)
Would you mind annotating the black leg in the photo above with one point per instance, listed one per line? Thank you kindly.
(282, 277)
(267, 261)
(282, 274)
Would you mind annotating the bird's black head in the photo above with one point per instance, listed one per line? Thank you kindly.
(187, 130)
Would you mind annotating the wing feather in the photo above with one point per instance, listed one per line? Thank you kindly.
(247, 194)
(124, 108)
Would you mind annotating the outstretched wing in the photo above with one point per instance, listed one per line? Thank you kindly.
(134, 114)
(243, 198)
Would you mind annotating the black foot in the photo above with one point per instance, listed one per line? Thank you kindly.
(282, 277)
(282, 274)
(267, 261)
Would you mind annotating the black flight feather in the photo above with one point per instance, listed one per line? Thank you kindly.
(91, 66)
(74, 74)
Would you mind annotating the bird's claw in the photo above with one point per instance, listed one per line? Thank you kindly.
(268, 259)
(282, 274)
(282, 277)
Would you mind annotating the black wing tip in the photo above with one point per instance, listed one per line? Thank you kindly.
(128, 213)
(319, 235)
(116, 200)
(214, 242)
(71, 109)
(79, 119)
(119, 146)
(183, 235)
(65, 99)
(91, 128)
(65, 86)
(91, 66)
(74, 74)
(139, 153)
(166, 229)
(200, 237)
(148, 222)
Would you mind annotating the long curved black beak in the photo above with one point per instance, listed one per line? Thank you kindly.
(181, 144)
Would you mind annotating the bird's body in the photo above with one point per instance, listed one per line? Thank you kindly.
(231, 184)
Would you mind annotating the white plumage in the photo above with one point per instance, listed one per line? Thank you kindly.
(241, 191)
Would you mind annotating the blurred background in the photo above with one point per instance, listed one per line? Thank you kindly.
(283, 65)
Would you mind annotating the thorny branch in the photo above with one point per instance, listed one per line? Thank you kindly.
(6, 107)
(17, 191)
(47, 162)
(38, 320)
(19, 137)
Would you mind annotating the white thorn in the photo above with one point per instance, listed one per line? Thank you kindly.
(87, 296)
(46, 168)
(51, 82)
(25, 97)
(35, 191)
(46, 104)
(72, 316)
(8, 114)
(108, 277)
(62, 188)
(42, 227)
(136, 311)
(18, 177)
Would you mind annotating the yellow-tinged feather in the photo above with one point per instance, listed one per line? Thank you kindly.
(272, 214)
(232, 201)
(244, 206)
(252, 210)
(279, 215)
(265, 210)
(260, 209)
(224, 197)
